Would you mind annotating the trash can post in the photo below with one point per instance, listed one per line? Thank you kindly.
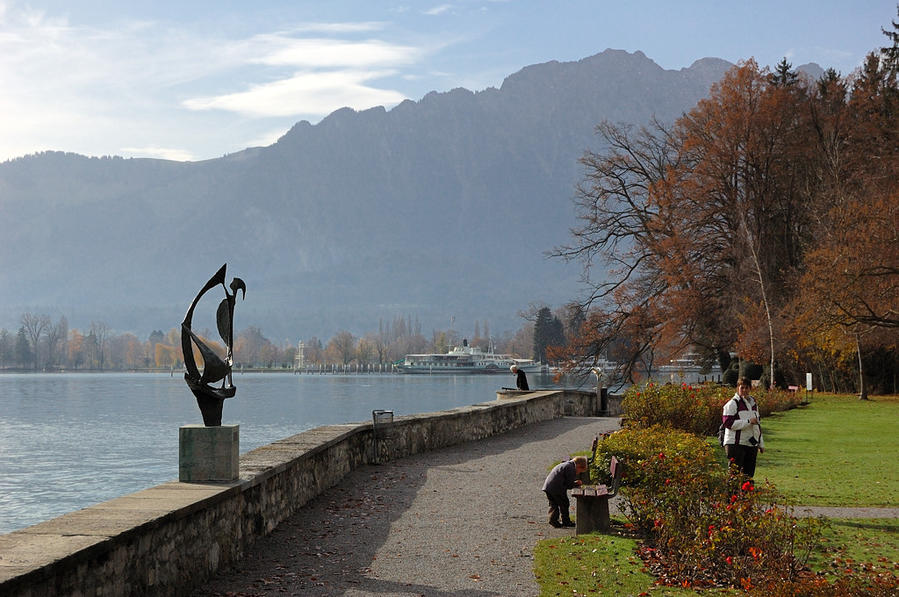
(381, 420)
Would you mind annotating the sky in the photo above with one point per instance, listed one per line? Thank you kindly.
(198, 79)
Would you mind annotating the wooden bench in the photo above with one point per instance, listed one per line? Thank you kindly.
(593, 502)
(585, 476)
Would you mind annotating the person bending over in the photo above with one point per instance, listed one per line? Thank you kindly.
(559, 480)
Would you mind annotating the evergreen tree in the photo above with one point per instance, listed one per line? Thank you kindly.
(23, 352)
(784, 75)
(548, 331)
(891, 53)
(6, 348)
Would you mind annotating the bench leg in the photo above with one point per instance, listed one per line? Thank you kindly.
(592, 514)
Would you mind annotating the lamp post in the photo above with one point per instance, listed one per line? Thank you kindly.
(601, 391)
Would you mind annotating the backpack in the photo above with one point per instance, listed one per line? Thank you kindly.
(721, 429)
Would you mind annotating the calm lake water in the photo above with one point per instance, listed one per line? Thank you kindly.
(68, 441)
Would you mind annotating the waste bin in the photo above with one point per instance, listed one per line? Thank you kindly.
(381, 421)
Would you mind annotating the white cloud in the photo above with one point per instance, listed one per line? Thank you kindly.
(140, 86)
(332, 74)
(330, 53)
(165, 153)
(304, 93)
(338, 27)
(439, 10)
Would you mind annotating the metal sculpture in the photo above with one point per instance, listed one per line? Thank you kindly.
(215, 369)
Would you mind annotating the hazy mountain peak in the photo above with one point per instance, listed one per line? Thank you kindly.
(367, 215)
(812, 69)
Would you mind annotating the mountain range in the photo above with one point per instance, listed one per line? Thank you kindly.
(441, 209)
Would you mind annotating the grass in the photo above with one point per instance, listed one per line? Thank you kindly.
(837, 451)
(594, 565)
(607, 564)
(857, 540)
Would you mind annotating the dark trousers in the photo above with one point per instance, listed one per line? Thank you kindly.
(558, 504)
(743, 457)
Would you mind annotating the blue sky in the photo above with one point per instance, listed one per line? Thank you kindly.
(193, 80)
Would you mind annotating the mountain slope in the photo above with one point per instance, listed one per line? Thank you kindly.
(437, 208)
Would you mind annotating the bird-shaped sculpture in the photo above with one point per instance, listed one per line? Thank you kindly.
(215, 369)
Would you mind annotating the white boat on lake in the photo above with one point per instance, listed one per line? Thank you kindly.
(465, 359)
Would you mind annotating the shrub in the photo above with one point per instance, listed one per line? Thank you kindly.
(696, 409)
(732, 374)
(780, 379)
(644, 453)
(770, 401)
(704, 524)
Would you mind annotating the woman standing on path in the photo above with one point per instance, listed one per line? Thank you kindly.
(742, 430)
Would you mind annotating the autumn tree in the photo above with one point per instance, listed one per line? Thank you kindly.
(313, 351)
(57, 336)
(850, 286)
(165, 355)
(700, 224)
(366, 351)
(249, 345)
(734, 206)
(99, 337)
(615, 231)
(342, 347)
(35, 327)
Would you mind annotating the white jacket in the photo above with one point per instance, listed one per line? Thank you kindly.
(737, 428)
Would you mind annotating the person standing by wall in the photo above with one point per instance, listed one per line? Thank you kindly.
(521, 380)
(742, 431)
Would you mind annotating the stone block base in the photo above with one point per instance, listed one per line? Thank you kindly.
(208, 453)
(592, 514)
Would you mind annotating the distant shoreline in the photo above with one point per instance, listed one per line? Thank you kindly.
(180, 371)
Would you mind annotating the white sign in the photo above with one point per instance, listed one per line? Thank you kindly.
(808, 382)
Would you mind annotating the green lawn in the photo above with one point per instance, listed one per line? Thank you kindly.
(837, 451)
(594, 565)
(857, 540)
(607, 565)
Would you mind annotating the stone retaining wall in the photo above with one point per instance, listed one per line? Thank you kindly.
(166, 539)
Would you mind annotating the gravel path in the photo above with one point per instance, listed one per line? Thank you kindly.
(459, 521)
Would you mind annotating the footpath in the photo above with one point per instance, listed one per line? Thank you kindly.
(461, 521)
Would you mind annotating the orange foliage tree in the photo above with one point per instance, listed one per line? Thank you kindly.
(768, 209)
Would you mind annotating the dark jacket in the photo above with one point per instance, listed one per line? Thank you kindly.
(521, 380)
(561, 478)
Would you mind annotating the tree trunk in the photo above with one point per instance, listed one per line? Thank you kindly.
(862, 389)
(758, 268)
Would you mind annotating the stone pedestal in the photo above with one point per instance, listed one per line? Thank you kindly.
(208, 453)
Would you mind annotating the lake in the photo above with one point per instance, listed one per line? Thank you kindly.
(71, 440)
